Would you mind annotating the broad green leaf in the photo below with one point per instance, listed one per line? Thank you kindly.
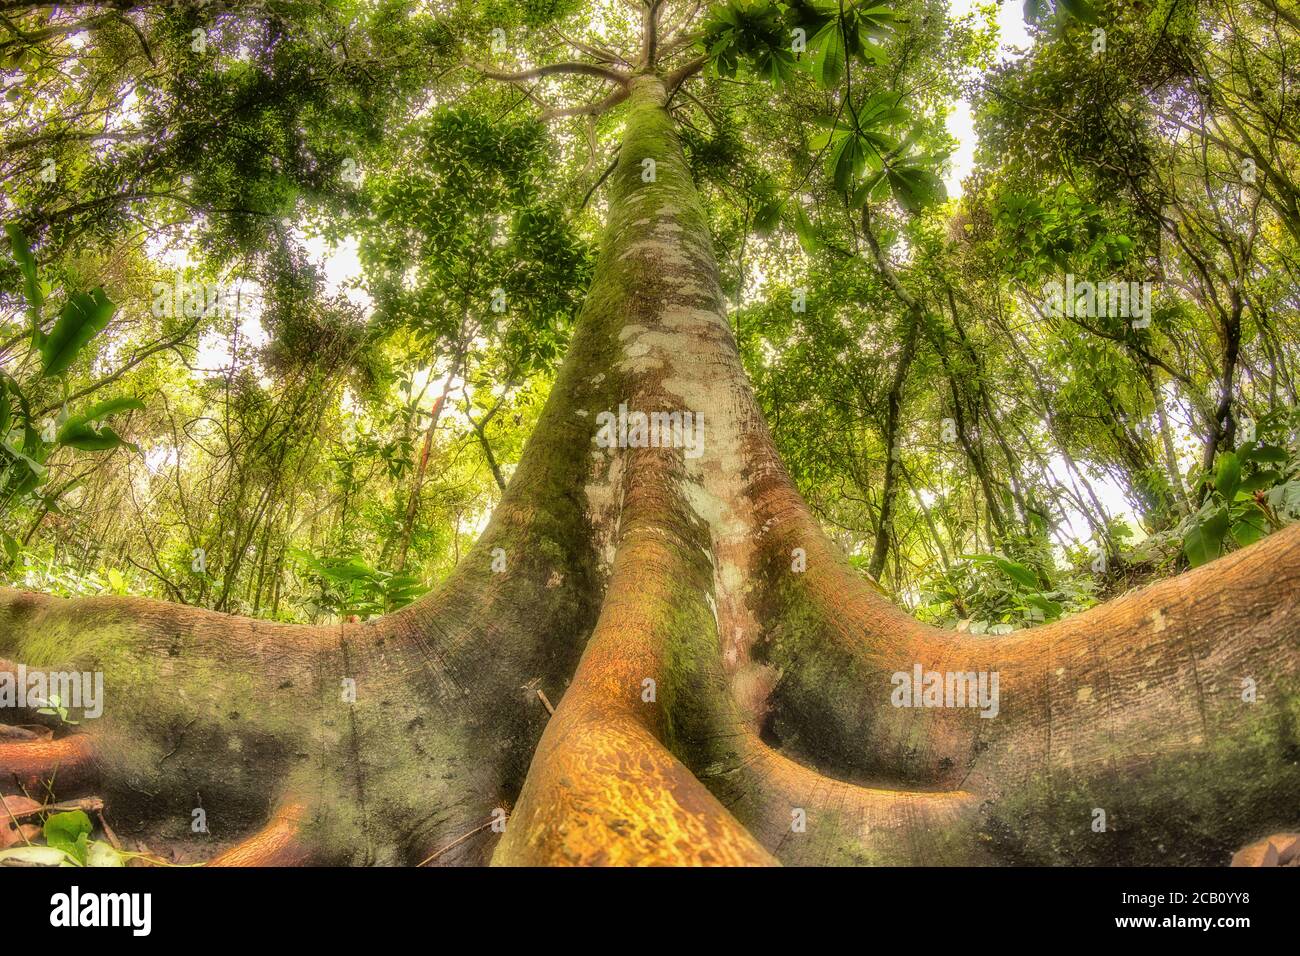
(69, 832)
(1261, 480)
(1228, 477)
(777, 66)
(1249, 526)
(105, 439)
(82, 318)
(1081, 10)
(845, 162)
(1285, 499)
(27, 265)
(79, 432)
(1035, 10)
(767, 216)
(11, 545)
(821, 140)
(1266, 454)
(881, 110)
(915, 187)
(1017, 572)
(828, 58)
(1050, 609)
(873, 189)
(804, 230)
(1204, 542)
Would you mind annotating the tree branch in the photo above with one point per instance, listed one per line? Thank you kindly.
(570, 67)
(684, 72)
(588, 109)
(650, 34)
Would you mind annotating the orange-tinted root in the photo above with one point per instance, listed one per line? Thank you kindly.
(280, 843)
(30, 765)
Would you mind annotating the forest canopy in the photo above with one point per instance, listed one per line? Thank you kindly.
(334, 268)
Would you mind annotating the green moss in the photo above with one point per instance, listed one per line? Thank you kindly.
(819, 706)
(1183, 808)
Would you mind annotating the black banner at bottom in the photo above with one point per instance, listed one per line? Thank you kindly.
(224, 908)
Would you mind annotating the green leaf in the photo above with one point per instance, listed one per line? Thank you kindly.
(845, 161)
(111, 406)
(1250, 526)
(105, 439)
(803, 229)
(69, 832)
(1050, 609)
(1204, 542)
(828, 58)
(767, 213)
(1261, 480)
(767, 216)
(1035, 10)
(1228, 476)
(83, 317)
(874, 188)
(915, 187)
(22, 253)
(882, 110)
(1017, 572)
(777, 66)
(1081, 10)
(1266, 454)
(1285, 499)
(78, 432)
(31, 439)
(821, 140)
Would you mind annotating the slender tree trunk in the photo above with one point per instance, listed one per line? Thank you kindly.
(888, 487)
(1181, 499)
(1223, 425)
(417, 483)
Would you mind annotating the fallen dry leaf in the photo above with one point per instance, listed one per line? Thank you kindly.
(9, 834)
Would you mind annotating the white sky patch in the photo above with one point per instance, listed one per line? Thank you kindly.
(1111, 495)
(1014, 39)
(218, 352)
(217, 348)
(961, 127)
(166, 253)
(429, 382)
(341, 266)
(476, 523)
(127, 116)
(159, 457)
(1187, 449)
(1187, 443)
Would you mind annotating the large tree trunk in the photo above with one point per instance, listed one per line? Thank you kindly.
(722, 674)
